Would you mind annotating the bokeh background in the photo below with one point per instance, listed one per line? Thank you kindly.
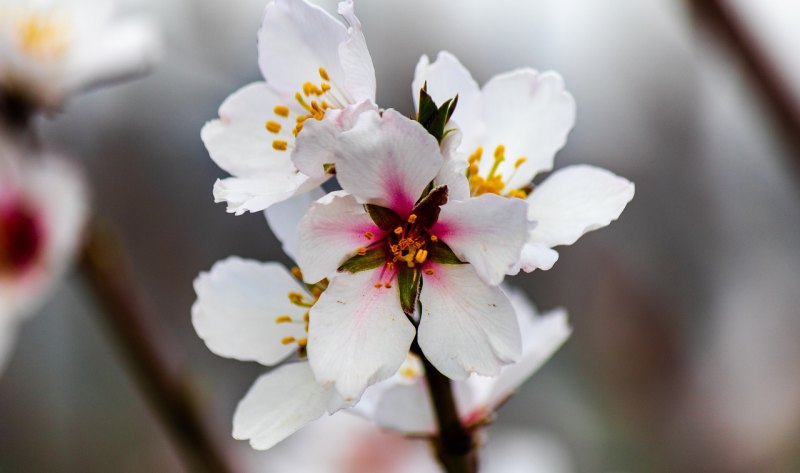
(686, 312)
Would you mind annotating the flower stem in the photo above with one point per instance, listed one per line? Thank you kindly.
(455, 445)
(169, 396)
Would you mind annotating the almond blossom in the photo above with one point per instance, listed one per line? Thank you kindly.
(391, 239)
(511, 130)
(43, 206)
(51, 49)
(318, 78)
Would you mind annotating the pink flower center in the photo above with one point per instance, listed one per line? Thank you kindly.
(21, 237)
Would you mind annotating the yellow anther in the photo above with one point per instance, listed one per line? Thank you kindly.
(281, 110)
(412, 218)
(295, 298)
(369, 235)
(476, 156)
(390, 266)
(282, 319)
(280, 145)
(308, 88)
(297, 273)
(473, 169)
(287, 340)
(518, 193)
(429, 271)
(434, 238)
(421, 256)
(378, 285)
(306, 317)
(302, 101)
(408, 372)
(361, 251)
(316, 292)
(325, 87)
(519, 162)
(273, 127)
(500, 152)
(398, 230)
(387, 285)
(324, 74)
(302, 342)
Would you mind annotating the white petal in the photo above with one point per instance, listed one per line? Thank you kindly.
(530, 114)
(316, 143)
(239, 142)
(446, 78)
(259, 193)
(284, 217)
(535, 256)
(358, 334)
(359, 73)
(466, 326)
(406, 408)
(330, 233)
(237, 304)
(278, 404)
(576, 200)
(488, 232)
(295, 40)
(387, 160)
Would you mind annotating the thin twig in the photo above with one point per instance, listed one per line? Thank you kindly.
(455, 445)
(104, 267)
(720, 17)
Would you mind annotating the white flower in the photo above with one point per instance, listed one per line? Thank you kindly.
(43, 206)
(318, 78)
(522, 119)
(398, 248)
(405, 406)
(50, 49)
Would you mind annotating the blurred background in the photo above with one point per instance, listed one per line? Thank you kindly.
(686, 312)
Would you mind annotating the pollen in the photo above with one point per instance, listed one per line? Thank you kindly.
(297, 273)
(369, 235)
(476, 156)
(324, 74)
(42, 36)
(518, 193)
(421, 256)
(378, 285)
(519, 162)
(412, 218)
(387, 285)
(273, 127)
(361, 251)
(281, 110)
(434, 238)
(398, 230)
(500, 152)
(302, 342)
(287, 340)
(282, 319)
(280, 145)
(408, 372)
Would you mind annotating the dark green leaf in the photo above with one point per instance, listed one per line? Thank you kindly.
(408, 282)
(370, 260)
(427, 210)
(434, 117)
(440, 253)
(385, 219)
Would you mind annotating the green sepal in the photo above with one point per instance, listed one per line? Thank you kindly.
(408, 282)
(439, 252)
(427, 210)
(373, 258)
(434, 117)
(385, 219)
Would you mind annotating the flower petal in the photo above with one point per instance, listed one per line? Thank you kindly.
(387, 160)
(466, 326)
(330, 232)
(358, 333)
(295, 40)
(284, 217)
(446, 78)
(530, 113)
(406, 408)
(237, 304)
(239, 142)
(488, 232)
(259, 193)
(535, 256)
(278, 404)
(359, 73)
(576, 200)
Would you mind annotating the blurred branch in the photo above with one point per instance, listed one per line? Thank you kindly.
(103, 264)
(719, 16)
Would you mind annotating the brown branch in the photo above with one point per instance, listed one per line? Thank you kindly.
(721, 17)
(104, 267)
(455, 445)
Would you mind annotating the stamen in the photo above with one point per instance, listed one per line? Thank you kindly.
(282, 319)
(369, 235)
(273, 127)
(302, 102)
(387, 285)
(287, 340)
(429, 271)
(280, 145)
(412, 218)
(519, 162)
(297, 273)
(324, 74)
(476, 156)
(421, 256)
(361, 251)
(434, 238)
(302, 342)
(281, 110)
(398, 230)
(500, 152)
(518, 193)
(378, 285)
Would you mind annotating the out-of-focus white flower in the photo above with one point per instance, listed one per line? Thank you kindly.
(43, 205)
(318, 78)
(404, 405)
(393, 244)
(523, 117)
(50, 49)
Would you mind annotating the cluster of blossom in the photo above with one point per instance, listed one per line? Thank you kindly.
(406, 262)
(48, 51)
